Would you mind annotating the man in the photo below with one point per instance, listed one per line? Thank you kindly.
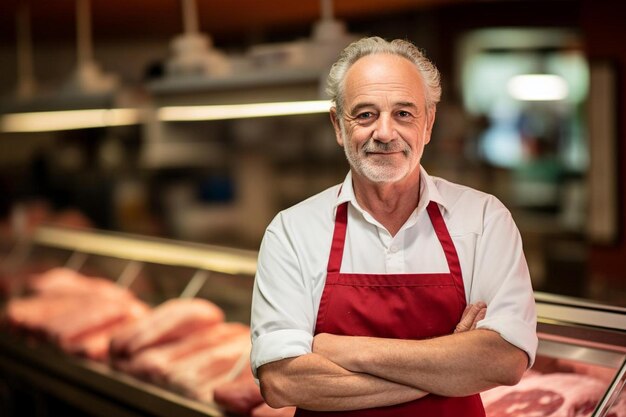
(359, 289)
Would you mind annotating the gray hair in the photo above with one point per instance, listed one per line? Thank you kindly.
(376, 45)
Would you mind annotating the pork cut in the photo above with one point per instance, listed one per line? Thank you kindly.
(89, 334)
(77, 313)
(197, 375)
(547, 395)
(169, 321)
(32, 313)
(68, 281)
(154, 363)
(240, 395)
(94, 344)
(95, 313)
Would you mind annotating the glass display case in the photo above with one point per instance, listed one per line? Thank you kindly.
(580, 365)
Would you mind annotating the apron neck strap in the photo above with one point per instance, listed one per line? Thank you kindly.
(444, 238)
(339, 237)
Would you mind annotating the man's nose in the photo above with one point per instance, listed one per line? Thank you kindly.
(385, 129)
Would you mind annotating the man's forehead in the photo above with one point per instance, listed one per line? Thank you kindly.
(383, 76)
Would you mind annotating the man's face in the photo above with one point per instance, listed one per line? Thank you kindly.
(385, 123)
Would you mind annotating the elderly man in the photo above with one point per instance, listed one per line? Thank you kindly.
(360, 288)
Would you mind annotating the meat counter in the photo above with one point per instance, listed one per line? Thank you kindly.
(37, 378)
(580, 367)
(578, 339)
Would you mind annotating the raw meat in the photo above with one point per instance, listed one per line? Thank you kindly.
(169, 321)
(154, 363)
(68, 281)
(197, 375)
(553, 395)
(61, 291)
(97, 312)
(95, 344)
(239, 396)
(92, 333)
(77, 313)
(265, 410)
(32, 313)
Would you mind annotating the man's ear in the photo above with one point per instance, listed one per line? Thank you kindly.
(430, 122)
(334, 118)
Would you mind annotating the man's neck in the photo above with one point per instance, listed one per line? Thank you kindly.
(390, 204)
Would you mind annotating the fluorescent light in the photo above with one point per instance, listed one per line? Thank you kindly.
(82, 119)
(538, 87)
(67, 120)
(240, 111)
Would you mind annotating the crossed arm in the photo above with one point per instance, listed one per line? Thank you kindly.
(348, 373)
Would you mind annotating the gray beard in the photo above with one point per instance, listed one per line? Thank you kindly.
(378, 172)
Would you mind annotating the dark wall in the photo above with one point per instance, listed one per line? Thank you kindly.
(605, 37)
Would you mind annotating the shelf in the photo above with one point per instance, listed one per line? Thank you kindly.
(143, 249)
(248, 80)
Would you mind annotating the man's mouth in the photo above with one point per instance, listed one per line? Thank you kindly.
(382, 153)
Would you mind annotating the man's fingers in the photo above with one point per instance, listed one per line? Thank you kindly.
(481, 315)
(472, 314)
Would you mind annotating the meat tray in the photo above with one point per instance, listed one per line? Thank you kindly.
(579, 335)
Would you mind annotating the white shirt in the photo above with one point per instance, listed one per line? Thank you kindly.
(293, 258)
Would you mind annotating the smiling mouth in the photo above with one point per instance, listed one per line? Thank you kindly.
(383, 153)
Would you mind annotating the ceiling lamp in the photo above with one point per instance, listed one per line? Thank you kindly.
(88, 77)
(538, 87)
(193, 53)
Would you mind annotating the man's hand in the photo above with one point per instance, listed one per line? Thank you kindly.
(471, 316)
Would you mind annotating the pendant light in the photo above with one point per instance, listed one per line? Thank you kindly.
(192, 52)
(87, 77)
(26, 84)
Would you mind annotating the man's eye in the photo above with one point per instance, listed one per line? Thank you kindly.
(365, 115)
(403, 113)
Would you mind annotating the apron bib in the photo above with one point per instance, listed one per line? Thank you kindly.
(407, 306)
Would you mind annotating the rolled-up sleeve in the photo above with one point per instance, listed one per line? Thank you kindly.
(502, 280)
(283, 317)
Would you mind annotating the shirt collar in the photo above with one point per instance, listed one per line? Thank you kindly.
(428, 192)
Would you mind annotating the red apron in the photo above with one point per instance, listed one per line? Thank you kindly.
(408, 306)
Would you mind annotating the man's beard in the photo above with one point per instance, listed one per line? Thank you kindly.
(381, 170)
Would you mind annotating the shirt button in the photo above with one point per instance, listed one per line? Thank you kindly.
(393, 249)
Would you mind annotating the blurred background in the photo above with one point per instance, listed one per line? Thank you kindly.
(152, 118)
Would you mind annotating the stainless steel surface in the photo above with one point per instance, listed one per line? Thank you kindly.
(579, 352)
(581, 320)
(568, 310)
